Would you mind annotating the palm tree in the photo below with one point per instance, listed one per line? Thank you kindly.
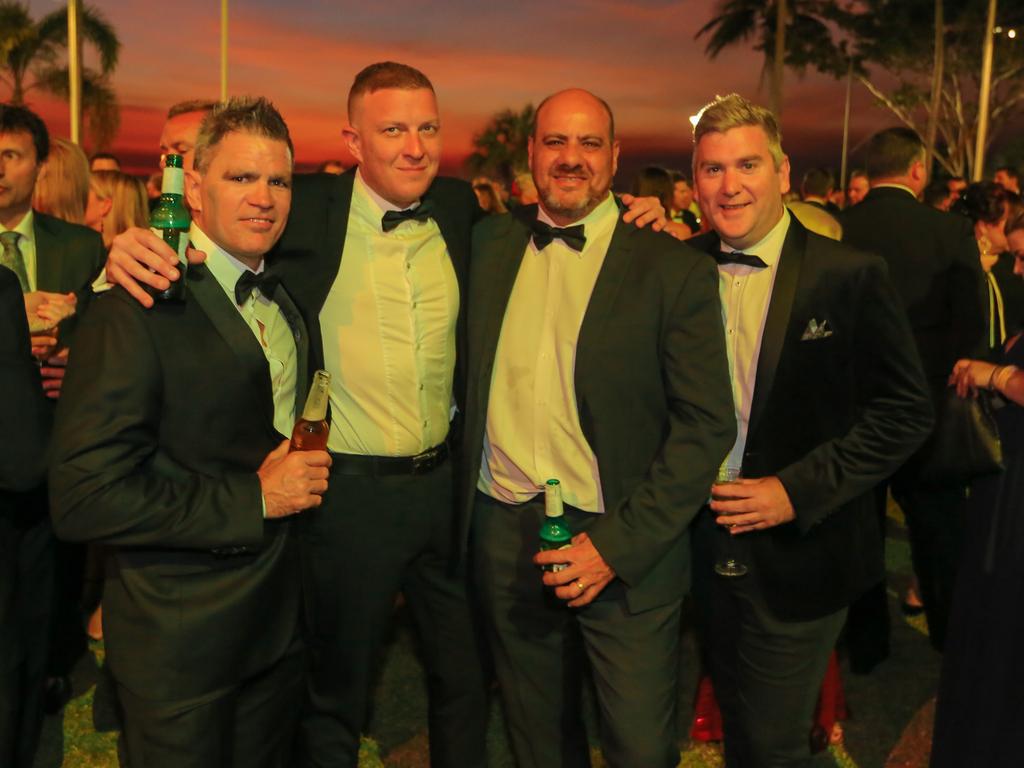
(31, 58)
(786, 32)
(501, 146)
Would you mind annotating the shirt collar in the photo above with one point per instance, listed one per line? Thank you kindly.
(904, 187)
(25, 227)
(225, 268)
(769, 247)
(595, 224)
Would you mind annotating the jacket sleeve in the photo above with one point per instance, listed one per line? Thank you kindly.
(894, 415)
(700, 431)
(110, 482)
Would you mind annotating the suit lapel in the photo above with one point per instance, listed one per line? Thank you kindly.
(599, 311)
(294, 319)
(48, 256)
(210, 297)
(339, 203)
(780, 309)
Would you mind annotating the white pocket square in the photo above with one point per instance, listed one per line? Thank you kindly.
(816, 330)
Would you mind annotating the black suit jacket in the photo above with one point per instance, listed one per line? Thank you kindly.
(24, 412)
(165, 417)
(651, 386)
(309, 252)
(934, 264)
(831, 417)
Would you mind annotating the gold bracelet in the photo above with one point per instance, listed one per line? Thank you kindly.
(1002, 380)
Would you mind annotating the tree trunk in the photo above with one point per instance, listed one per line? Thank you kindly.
(779, 58)
(937, 75)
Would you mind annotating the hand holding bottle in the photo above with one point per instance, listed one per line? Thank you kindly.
(293, 481)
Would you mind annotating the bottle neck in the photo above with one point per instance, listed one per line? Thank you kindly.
(319, 395)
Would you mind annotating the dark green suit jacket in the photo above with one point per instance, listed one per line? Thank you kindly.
(652, 392)
(165, 417)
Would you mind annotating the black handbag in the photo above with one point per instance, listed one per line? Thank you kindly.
(965, 444)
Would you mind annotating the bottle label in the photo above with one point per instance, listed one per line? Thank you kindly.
(173, 181)
(173, 237)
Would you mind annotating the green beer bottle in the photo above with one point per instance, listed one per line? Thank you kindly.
(170, 220)
(554, 531)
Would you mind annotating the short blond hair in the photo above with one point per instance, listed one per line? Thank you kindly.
(733, 111)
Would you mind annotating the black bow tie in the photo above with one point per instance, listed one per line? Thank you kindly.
(248, 281)
(392, 219)
(544, 233)
(738, 257)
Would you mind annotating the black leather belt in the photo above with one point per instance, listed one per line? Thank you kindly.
(375, 466)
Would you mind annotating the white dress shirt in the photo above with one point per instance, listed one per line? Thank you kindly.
(746, 293)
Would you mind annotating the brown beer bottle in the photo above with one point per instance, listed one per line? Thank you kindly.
(311, 430)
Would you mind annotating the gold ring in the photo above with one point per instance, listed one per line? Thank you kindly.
(579, 585)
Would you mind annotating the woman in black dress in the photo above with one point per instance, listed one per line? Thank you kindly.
(980, 713)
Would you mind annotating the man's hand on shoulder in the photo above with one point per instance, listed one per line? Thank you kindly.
(643, 211)
(139, 258)
(292, 482)
(752, 505)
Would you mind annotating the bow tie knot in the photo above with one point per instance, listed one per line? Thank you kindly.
(544, 234)
(738, 257)
(249, 281)
(392, 219)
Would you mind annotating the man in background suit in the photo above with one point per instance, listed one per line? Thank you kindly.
(168, 448)
(595, 357)
(44, 254)
(933, 260)
(830, 399)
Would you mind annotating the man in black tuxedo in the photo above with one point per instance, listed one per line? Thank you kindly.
(933, 260)
(168, 449)
(830, 399)
(595, 357)
(42, 254)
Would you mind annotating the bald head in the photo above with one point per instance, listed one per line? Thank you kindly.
(580, 97)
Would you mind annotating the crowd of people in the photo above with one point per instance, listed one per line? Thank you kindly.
(726, 372)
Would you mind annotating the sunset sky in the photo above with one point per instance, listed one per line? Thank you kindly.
(640, 56)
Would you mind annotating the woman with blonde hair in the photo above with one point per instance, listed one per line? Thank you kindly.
(116, 201)
(62, 188)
